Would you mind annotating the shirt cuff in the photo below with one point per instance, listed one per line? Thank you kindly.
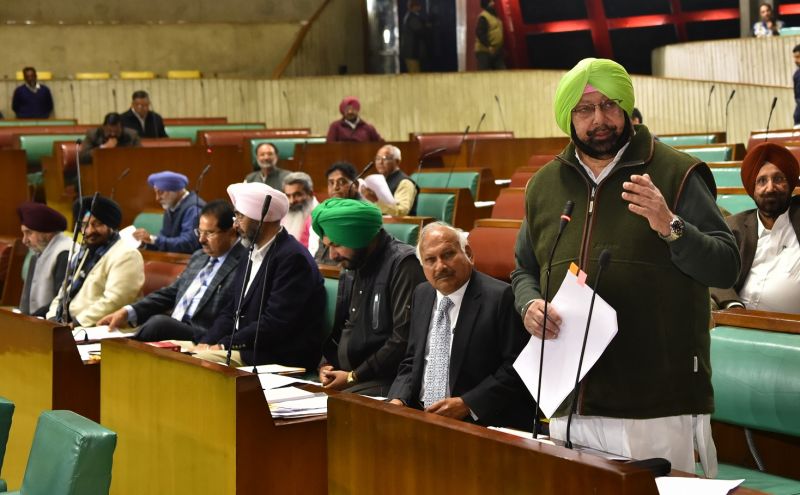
(131, 315)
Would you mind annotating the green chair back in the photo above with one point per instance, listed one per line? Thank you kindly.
(331, 289)
(37, 123)
(708, 155)
(790, 31)
(285, 146)
(149, 221)
(437, 205)
(456, 180)
(687, 140)
(190, 131)
(6, 414)
(70, 455)
(736, 203)
(727, 177)
(26, 263)
(404, 232)
(37, 146)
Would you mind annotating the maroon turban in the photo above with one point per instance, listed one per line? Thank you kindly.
(775, 154)
(41, 218)
(349, 101)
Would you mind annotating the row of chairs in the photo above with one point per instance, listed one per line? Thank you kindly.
(44, 75)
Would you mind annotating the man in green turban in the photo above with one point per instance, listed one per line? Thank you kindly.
(379, 274)
(652, 209)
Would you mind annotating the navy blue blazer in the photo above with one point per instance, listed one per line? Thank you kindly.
(293, 316)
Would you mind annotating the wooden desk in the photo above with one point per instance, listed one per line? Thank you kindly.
(190, 426)
(13, 189)
(376, 447)
(134, 194)
(40, 369)
(504, 156)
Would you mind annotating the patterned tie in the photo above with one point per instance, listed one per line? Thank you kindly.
(438, 370)
(196, 290)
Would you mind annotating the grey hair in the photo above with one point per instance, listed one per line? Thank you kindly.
(462, 236)
(299, 178)
(394, 151)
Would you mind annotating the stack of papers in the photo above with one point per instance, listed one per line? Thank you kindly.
(274, 368)
(88, 350)
(673, 485)
(301, 408)
(270, 381)
(288, 393)
(99, 333)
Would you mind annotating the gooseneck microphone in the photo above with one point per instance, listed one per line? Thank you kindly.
(475, 142)
(708, 106)
(78, 141)
(453, 165)
(727, 104)
(121, 176)
(566, 217)
(363, 172)
(769, 119)
(605, 256)
(69, 277)
(248, 267)
(428, 155)
(198, 185)
(500, 108)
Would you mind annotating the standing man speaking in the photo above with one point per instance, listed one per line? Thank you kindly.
(653, 208)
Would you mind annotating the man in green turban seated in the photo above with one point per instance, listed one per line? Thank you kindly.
(652, 207)
(379, 274)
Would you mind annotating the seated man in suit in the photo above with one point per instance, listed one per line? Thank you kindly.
(181, 209)
(193, 301)
(42, 232)
(283, 289)
(769, 278)
(110, 135)
(370, 329)
(106, 272)
(404, 190)
(141, 120)
(465, 336)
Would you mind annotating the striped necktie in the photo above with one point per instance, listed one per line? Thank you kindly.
(195, 291)
(437, 372)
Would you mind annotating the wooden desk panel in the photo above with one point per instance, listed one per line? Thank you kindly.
(190, 426)
(13, 189)
(134, 194)
(504, 156)
(40, 369)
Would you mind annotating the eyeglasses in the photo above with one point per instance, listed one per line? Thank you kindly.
(777, 180)
(209, 235)
(586, 111)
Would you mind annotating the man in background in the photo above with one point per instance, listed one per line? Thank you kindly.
(32, 100)
(351, 127)
(299, 188)
(181, 211)
(110, 135)
(268, 171)
(489, 38)
(404, 190)
(140, 118)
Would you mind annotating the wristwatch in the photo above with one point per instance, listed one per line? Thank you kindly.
(351, 378)
(676, 227)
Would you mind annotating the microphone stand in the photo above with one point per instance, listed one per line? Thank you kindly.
(248, 266)
(428, 155)
(602, 263)
(471, 157)
(500, 108)
(769, 119)
(121, 176)
(79, 141)
(708, 107)
(463, 138)
(355, 181)
(727, 104)
(197, 187)
(70, 277)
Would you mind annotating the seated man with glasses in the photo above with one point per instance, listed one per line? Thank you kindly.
(185, 309)
(341, 176)
(768, 236)
(387, 162)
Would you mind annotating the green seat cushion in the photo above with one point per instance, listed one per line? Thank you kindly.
(285, 146)
(720, 154)
(727, 177)
(756, 480)
(6, 414)
(151, 222)
(736, 203)
(37, 146)
(687, 140)
(37, 123)
(35, 179)
(790, 31)
(331, 289)
(456, 180)
(405, 232)
(190, 131)
(437, 205)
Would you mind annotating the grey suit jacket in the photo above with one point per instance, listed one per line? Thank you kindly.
(487, 338)
(164, 299)
(744, 226)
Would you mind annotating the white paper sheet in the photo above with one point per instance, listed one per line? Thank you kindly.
(284, 394)
(88, 349)
(673, 485)
(126, 235)
(270, 381)
(561, 354)
(99, 333)
(377, 183)
(274, 368)
(301, 408)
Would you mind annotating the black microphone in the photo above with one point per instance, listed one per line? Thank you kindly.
(288, 107)
(565, 218)
(708, 106)
(70, 276)
(500, 108)
(453, 165)
(727, 103)
(769, 119)
(248, 267)
(78, 141)
(355, 181)
(471, 157)
(602, 263)
(121, 176)
(197, 186)
(428, 155)
(72, 97)
(302, 156)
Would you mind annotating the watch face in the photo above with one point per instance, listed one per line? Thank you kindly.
(676, 226)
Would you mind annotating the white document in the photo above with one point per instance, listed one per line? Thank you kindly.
(270, 381)
(672, 485)
(377, 183)
(274, 368)
(561, 354)
(301, 408)
(284, 394)
(126, 235)
(87, 350)
(99, 333)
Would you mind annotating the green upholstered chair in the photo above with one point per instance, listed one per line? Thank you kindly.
(70, 455)
(38, 123)
(727, 176)
(405, 232)
(149, 221)
(456, 180)
(437, 205)
(331, 290)
(712, 154)
(756, 382)
(285, 146)
(736, 203)
(190, 131)
(6, 413)
(687, 140)
(37, 146)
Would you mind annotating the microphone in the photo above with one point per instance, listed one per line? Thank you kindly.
(463, 138)
(248, 267)
(708, 105)
(566, 216)
(605, 256)
(121, 176)
(302, 156)
(197, 187)
(69, 277)
(769, 119)
(500, 108)
(78, 141)
(355, 181)
(288, 107)
(428, 155)
(475, 142)
(727, 103)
